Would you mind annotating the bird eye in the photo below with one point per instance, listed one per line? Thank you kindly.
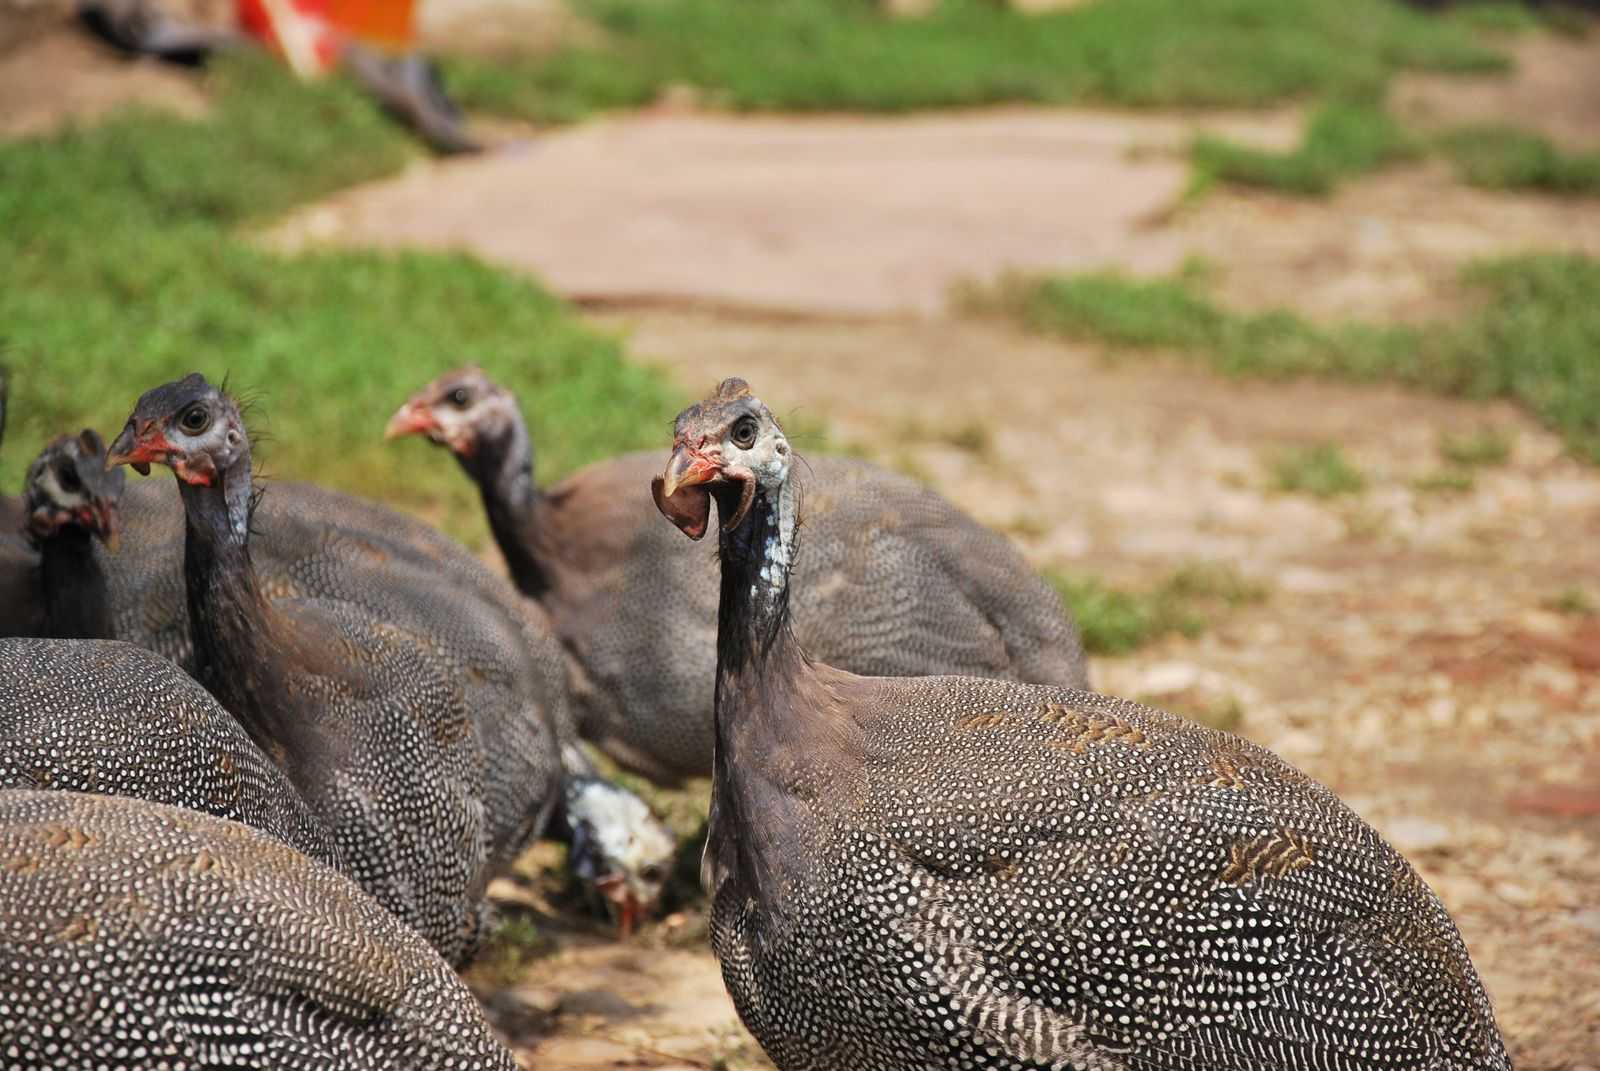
(459, 397)
(194, 419)
(744, 433)
(68, 479)
(651, 873)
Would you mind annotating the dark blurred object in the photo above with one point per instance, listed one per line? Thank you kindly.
(141, 28)
(409, 88)
(314, 38)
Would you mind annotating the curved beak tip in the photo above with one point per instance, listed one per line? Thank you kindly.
(686, 468)
(409, 419)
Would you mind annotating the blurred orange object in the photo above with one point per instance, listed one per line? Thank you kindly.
(308, 32)
(387, 23)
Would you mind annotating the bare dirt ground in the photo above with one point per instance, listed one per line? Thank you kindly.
(1406, 654)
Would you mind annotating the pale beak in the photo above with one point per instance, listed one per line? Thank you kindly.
(128, 450)
(413, 418)
(686, 468)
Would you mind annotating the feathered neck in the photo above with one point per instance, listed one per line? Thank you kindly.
(787, 749)
(77, 606)
(501, 464)
(238, 644)
(754, 642)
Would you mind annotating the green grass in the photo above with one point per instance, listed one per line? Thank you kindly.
(1573, 601)
(1496, 16)
(1533, 338)
(121, 266)
(1320, 470)
(847, 55)
(1486, 446)
(1447, 480)
(1115, 621)
(1343, 139)
(1503, 157)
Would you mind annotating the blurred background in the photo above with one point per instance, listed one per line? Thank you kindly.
(1269, 329)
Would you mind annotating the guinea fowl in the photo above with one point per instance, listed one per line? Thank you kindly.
(140, 936)
(307, 541)
(371, 719)
(70, 500)
(896, 581)
(117, 720)
(952, 872)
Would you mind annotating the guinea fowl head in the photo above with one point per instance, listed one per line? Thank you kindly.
(460, 410)
(619, 848)
(190, 426)
(727, 446)
(68, 486)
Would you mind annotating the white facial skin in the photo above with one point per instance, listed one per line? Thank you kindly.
(47, 485)
(628, 851)
(459, 407)
(757, 446)
(204, 440)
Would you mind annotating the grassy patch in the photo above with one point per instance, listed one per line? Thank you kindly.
(120, 268)
(1533, 339)
(1496, 16)
(559, 88)
(1486, 446)
(1115, 621)
(1343, 139)
(1502, 157)
(788, 55)
(1572, 601)
(1319, 470)
(515, 943)
(1454, 481)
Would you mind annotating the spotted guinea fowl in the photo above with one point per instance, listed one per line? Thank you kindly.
(114, 719)
(371, 718)
(895, 581)
(948, 872)
(139, 936)
(307, 541)
(69, 500)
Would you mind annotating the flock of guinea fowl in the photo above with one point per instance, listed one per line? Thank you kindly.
(262, 749)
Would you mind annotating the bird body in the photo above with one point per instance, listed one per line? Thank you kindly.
(895, 580)
(140, 936)
(950, 872)
(371, 716)
(52, 581)
(117, 720)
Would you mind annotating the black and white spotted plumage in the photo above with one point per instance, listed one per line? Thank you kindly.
(895, 581)
(137, 936)
(400, 708)
(953, 873)
(1052, 879)
(117, 720)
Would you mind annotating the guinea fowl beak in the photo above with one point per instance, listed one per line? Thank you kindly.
(614, 887)
(679, 494)
(107, 522)
(129, 449)
(688, 467)
(413, 418)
